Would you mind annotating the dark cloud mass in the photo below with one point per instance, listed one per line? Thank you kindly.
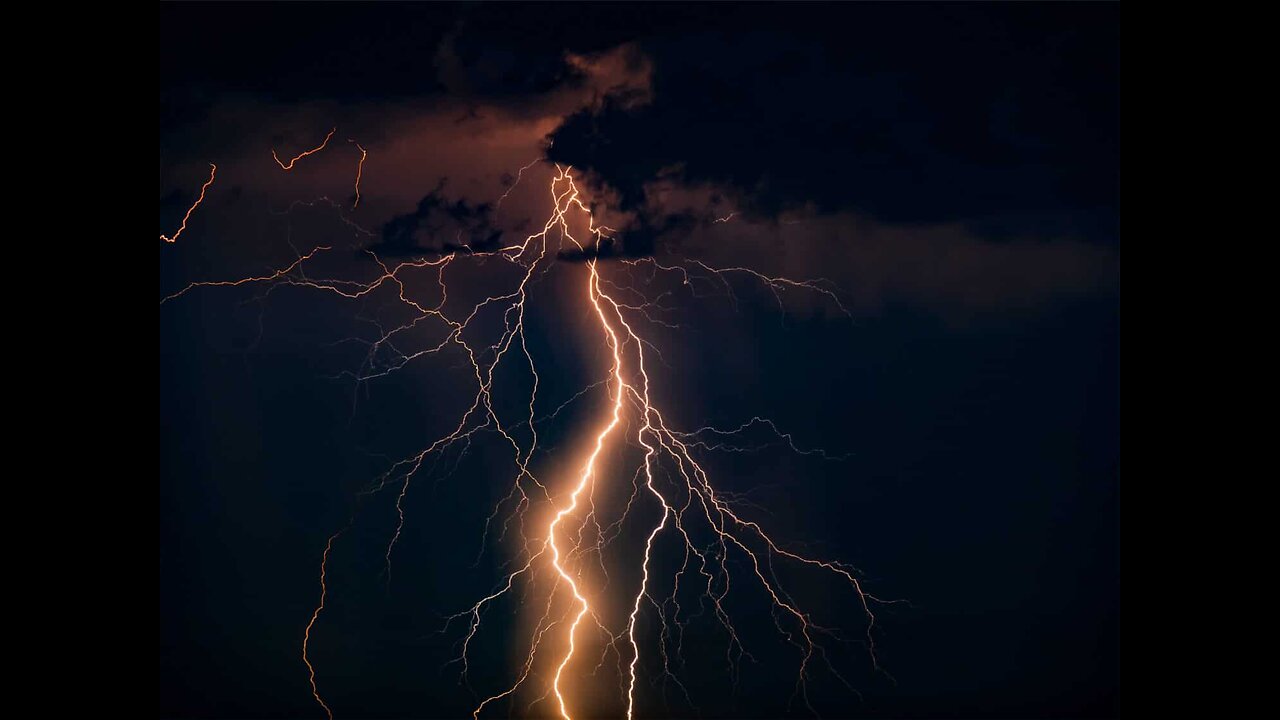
(1004, 116)
(999, 122)
(439, 225)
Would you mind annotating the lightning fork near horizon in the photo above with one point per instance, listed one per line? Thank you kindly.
(559, 523)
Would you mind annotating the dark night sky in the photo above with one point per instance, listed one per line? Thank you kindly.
(953, 167)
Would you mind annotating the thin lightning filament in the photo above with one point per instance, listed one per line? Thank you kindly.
(717, 536)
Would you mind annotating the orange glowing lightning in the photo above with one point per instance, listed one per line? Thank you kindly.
(657, 439)
(712, 527)
(306, 634)
(312, 151)
(213, 171)
(359, 170)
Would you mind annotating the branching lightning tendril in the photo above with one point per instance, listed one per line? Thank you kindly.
(299, 156)
(560, 546)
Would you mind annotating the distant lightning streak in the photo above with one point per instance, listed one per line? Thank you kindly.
(306, 635)
(558, 548)
(359, 169)
(516, 182)
(213, 171)
(693, 440)
(296, 158)
(244, 281)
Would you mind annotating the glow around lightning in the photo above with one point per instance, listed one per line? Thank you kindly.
(560, 526)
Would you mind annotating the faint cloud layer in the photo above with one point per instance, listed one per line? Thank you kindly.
(948, 268)
(815, 168)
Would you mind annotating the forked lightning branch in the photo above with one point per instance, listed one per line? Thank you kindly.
(564, 534)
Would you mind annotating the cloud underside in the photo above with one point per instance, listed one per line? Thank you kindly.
(876, 192)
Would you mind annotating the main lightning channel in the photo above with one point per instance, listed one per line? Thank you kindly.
(688, 502)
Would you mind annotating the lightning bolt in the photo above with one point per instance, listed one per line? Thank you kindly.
(306, 634)
(519, 176)
(712, 526)
(359, 169)
(213, 171)
(298, 157)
